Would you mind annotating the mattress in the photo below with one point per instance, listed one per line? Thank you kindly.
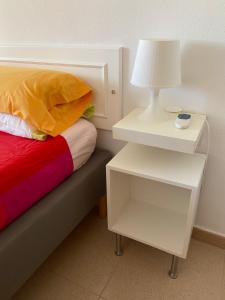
(81, 139)
(30, 169)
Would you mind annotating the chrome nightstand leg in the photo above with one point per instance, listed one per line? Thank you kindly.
(173, 267)
(118, 250)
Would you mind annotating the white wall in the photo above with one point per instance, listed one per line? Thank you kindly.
(199, 23)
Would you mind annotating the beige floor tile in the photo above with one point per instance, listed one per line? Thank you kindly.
(45, 285)
(141, 255)
(87, 256)
(199, 276)
(140, 274)
(85, 266)
(222, 291)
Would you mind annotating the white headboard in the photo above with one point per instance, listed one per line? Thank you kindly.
(100, 66)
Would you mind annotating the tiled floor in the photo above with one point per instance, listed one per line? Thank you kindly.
(84, 267)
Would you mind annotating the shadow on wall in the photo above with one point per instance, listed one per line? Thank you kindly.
(203, 81)
(131, 94)
(204, 70)
(203, 90)
(203, 66)
(125, 82)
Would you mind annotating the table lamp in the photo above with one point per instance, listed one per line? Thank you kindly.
(157, 65)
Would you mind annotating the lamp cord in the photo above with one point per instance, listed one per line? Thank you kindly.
(208, 138)
(207, 150)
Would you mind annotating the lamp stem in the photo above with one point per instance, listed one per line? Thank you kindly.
(154, 101)
(153, 112)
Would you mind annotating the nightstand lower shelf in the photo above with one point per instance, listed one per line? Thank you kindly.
(140, 221)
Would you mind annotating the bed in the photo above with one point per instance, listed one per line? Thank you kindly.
(31, 238)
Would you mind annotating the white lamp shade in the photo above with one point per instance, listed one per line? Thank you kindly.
(157, 64)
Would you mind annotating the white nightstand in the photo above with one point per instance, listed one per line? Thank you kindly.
(152, 193)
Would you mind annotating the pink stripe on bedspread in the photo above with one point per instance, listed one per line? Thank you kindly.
(35, 187)
(28, 171)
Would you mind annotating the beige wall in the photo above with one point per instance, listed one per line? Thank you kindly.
(200, 24)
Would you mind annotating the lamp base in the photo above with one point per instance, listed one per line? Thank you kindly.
(153, 112)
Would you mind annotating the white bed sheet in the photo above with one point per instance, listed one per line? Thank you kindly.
(81, 139)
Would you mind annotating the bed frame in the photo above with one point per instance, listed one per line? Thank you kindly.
(29, 240)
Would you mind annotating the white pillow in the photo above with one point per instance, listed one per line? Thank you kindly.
(16, 126)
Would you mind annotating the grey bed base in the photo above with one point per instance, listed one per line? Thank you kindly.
(28, 241)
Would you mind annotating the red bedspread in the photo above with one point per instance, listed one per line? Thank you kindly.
(28, 170)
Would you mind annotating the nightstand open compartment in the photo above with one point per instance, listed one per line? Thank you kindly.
(153, 195)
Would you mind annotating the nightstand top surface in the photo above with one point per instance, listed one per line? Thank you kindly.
(161, 134)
